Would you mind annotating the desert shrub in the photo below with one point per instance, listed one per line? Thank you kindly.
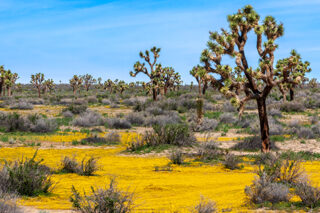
(292, 106)
(88, 119)
(176, 157)
(106, 102)
(231, 161)
(316, 129)
(44, 125)
(92, 100)
(206, 125)
(252, 144)
(136, 144)
(306, 133)
(22, 105)
(227, 118)
(275, 113)
(228, 107)
(67, 114)
(133, 101)
(282, 171)
(205, 206)
(154, 110)
(85, 168)
(263, 190)
(309, 195)
(275, 128)
(162, 120)
(137, 119)
(8, 205)
(108, 200)
(114, 105)
(65, 101)
(173, 134)
(112, 138)
(312, 102)
(25, 177)
(76, 109)
(208, 151)
(94, 140)
(15, 122)
(117, 123)
(36, 101)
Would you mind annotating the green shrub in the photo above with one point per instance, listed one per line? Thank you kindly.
(108, 200)
(85, 168)
(26, 177)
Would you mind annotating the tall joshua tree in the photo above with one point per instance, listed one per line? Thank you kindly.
(293, 70)
(75, 83)
(198, 73)
(37, 81)
(122, 86)
(110, 85)
(152, 73)
(2, 78)
(10, 80)
(88, 81)
(48, 85)
(243, 83)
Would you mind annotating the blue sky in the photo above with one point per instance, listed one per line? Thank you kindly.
(103, 38)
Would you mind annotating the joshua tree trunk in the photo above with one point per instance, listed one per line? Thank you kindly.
(165, 90)
(264, 125)
(199, 105)
(9, 91)
(291, 94)
(205, 87)
(154, 94)
(39, 92)
(0, 90)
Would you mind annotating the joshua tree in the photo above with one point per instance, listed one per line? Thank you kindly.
(48, 85)
(122, 86)
(243, 83)
(9, 81)
(2, 78)
(198, 72)
(169, 78)
(88, 81)
(110, 85)
(37, 81)
(191, 85)
(100, 85)
(75, 83)
(313, 83)
(153, 73)
(18, 87)
(293, 70)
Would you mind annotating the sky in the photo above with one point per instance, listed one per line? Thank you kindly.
(104, 38)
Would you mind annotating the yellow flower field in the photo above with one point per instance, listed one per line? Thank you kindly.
(154, 191)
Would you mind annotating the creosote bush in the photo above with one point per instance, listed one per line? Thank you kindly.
(176, 157)
(309, 195)
(76, 108)
(263, 190)
(231, 161)
(205, 206)
(25, 177)
(117, 123)
(88, 119)
(108, 200)
(22, 105)
(85, 168)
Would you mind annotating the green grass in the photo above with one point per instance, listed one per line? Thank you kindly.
(278, 138)
(212, 115)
